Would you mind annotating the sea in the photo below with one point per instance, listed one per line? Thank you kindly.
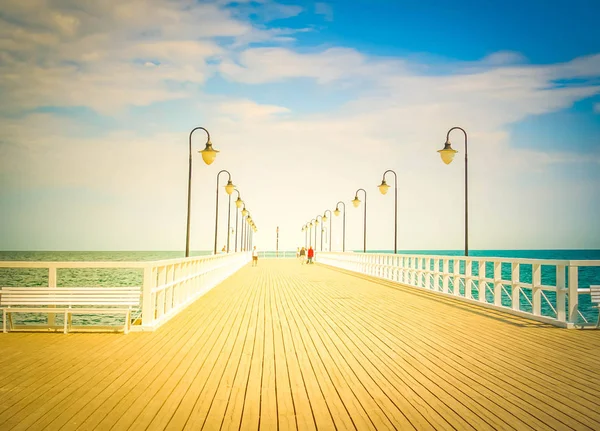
(31, 277)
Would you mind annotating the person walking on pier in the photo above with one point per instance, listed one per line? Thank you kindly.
(302, 255)
(311, 254)
(254, 257)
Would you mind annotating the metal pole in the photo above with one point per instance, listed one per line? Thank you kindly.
(189, 199)
(466, 188)
(343, 225)
(236, 227)
(217, 208)
(365, 221)
(277, 243)
(395, 213)
(330, 217)
(228, 222)
(395, 208)
(305, 234)
(344, 232)
(321, 229)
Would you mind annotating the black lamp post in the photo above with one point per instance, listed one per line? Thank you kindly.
(229, 188)
(324, 220)
(337, 213)
(305, 230)
(447, 154)
(238, 204)
(321, 229)
(248, 233)
(383, 188)
(356, 203)
(208, 155)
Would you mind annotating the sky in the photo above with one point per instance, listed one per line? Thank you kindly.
(306, 102)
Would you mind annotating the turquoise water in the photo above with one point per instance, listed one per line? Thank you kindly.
(133, 277)
(31, 277)
(586, 276)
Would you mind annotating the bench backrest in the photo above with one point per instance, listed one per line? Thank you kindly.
(595, 294)
(66, 296)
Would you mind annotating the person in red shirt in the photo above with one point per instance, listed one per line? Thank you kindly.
(311, 254)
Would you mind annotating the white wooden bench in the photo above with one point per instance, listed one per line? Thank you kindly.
(69, 301)
(595, 295)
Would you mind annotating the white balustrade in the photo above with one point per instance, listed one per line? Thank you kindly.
(168, 286)
(496, 283)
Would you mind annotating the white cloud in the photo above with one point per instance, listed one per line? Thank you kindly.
(289, 166)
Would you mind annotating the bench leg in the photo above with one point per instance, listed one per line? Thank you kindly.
(127, 320)
(4, 321)
(66, 321)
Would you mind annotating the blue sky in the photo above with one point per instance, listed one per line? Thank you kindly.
(307, 102)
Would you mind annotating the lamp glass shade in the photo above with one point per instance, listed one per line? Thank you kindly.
(316, 222)
(383, 187)
(324, 218)
(447, 153)
(244, 212)
(249, 219)
(229, 188)
(356, 201)
(239, 202)
(209, 154)
(336, 212)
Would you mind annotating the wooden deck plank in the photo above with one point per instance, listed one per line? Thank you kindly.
(568, 407)
(350, 386)
(286, 346)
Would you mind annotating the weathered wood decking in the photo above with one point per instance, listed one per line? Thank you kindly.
(285, 346)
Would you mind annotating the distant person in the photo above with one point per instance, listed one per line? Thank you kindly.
(298, 252)
(254, 257)
(223, 250)
(311, 254)
(302, 255)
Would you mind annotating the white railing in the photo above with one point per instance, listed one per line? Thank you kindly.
(168, 286)
(271, 254)
(544, 290)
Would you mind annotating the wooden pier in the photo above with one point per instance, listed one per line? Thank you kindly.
(290, 346)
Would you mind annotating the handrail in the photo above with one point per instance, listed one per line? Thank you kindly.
(168, 285)
(512, 285)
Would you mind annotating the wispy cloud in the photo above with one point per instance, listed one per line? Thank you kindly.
(110, 58)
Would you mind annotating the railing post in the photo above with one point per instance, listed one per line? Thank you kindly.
(446, 275)
(160, 300)
(515, 286)
(482, 282)
(456, 272)
(51, 283)
(573, 294)
(468, 279)
(497, 283)
(148, 308)
(169, 291)
(436, 274)
(536, 290)
(561, 314)
(428, 273)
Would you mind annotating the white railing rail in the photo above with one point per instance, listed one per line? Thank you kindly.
(168, 286)
(516, 286)
(276, 254)
(171, 285)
